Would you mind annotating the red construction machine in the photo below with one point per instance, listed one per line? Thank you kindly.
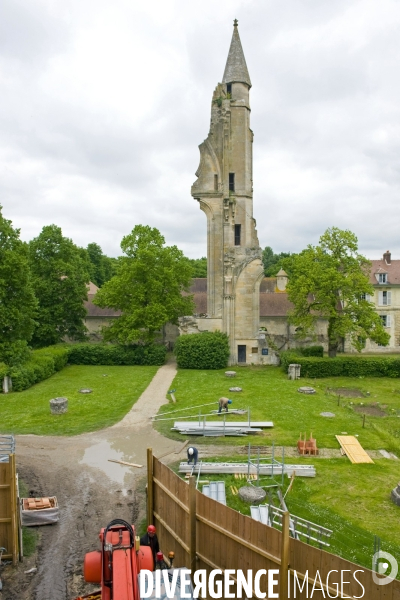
(116, 566)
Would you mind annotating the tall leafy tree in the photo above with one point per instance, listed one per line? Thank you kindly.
(147, 287)
(60, 278)
(17, 298)
(272, 262)
(331, 280)
(199, 266)
(101, 267)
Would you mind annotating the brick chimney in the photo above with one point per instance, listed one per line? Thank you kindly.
(387, 257)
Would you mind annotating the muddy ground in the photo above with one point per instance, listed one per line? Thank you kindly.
(91, 491)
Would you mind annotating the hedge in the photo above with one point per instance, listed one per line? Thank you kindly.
(344, 366)
(205, 350)
(3, 371)
(42, 364)
(110, 354)
(312, 351)
(45, 362)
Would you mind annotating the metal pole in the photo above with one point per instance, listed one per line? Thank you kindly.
(258, 466)
(283, 464)
(150, 495)
(248, 463)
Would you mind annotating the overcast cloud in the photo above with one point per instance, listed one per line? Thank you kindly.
(103, 106)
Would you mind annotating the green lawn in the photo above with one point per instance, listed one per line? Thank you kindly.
(352, 500)
(271, 396)
(115, 390)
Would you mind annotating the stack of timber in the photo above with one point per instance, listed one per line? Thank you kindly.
(39, 511)
(263, 469)
(220, 428)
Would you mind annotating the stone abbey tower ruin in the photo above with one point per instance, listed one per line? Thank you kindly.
(224, 190)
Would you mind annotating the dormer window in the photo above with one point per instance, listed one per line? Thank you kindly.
(382, 277)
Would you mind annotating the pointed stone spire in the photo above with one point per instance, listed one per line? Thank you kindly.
(236, 68)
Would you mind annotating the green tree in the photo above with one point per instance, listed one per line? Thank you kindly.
(331, 281)
(101, 267)
(60, 279)
(199, 266)
(147, 287)
(272, 262)
(17, 298)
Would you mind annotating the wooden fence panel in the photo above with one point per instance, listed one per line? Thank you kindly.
(227, 539)
(171, 512)
(8, 509)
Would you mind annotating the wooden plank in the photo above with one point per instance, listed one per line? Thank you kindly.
(192, 523)
(284, 567)
(122, 462)
(14, 507)
(149, 486)
(353, 449)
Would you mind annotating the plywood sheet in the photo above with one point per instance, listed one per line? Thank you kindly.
(353, 449)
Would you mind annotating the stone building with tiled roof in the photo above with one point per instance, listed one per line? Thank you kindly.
(385, 278)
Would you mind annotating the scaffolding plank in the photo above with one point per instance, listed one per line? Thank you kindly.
(353, 449)
(219, 424)
(276, 469)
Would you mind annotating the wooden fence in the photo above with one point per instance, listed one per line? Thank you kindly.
(205, 534)
(8, 509)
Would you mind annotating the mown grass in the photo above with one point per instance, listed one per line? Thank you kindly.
(271, 396)
(115, 390)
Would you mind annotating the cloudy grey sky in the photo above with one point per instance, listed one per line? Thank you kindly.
(103, 105)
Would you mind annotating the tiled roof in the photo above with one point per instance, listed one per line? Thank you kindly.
(392, 270)
(274, 305)
(96, 311)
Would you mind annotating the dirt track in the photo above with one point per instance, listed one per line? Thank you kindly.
(90, 490)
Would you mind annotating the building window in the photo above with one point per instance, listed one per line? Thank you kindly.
(216, 183)
(382, 277)
(386, 320)
(385, 298)
(231, 182)
(254, 350)
(237, 234)
(229, 88)
(366, 297)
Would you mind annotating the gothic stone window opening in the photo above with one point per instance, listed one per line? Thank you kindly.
(229, 88)
(238, 229)
(215, 182)
(231, 182)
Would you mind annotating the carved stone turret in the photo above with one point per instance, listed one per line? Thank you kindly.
(224, 189)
